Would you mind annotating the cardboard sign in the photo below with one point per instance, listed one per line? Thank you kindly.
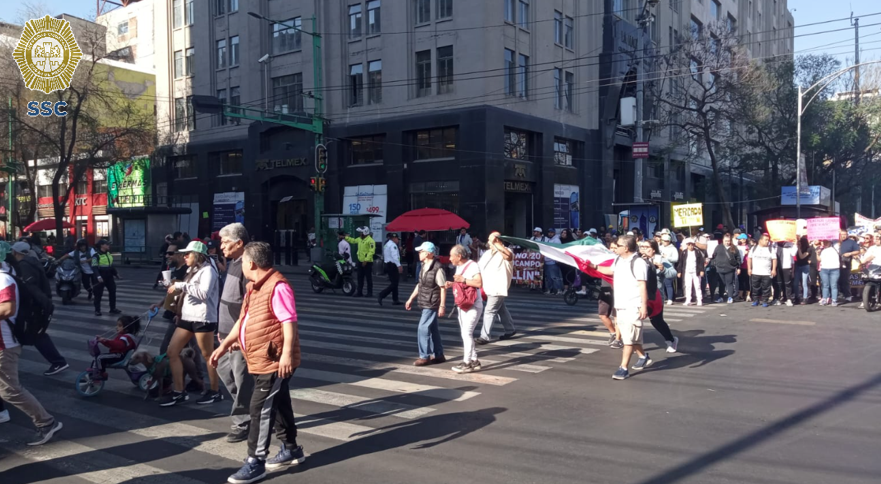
(688, 215)
(782, 230)
(527, 268)
(823, 228)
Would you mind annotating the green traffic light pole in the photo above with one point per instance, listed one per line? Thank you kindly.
(317, 124)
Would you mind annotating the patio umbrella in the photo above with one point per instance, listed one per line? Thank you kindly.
(46, 224)
(428, 219)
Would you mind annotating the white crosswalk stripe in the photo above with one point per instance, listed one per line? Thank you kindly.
(356, 371)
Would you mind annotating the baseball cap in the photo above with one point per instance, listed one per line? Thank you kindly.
(21, 247)
(592, 231)
(537, 229)
(742, 236)
(427, 247)
(666, 237)
(552, 230)
(630, 233)
(195, 246)
(391, 235)
(688, 241)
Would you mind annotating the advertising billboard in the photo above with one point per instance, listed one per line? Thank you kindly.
(128, 183)
(566, 207)
(229, 207)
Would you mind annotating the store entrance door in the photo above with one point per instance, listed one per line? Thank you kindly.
(518, 214)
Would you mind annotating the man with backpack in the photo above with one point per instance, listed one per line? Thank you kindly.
(37, 285)
(11, 332)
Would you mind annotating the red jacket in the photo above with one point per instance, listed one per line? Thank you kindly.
(121, 344)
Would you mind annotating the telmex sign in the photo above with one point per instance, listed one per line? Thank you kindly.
(263, 165)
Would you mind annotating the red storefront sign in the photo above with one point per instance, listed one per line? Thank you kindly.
(640, 150)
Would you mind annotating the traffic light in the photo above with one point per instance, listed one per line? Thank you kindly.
(321, 184)
(313, 184)
(321, 159)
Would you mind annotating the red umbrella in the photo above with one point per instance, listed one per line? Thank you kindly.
(46, 224)
(428, 219)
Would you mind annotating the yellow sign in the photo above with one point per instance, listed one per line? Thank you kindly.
(47, 54)
(688, 215)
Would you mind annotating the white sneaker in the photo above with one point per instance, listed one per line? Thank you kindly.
(670, 302)
(582, 292)
(673, 346)
(789, 302)
(4, 416)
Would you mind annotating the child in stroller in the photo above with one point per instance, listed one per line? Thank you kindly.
(117, 348)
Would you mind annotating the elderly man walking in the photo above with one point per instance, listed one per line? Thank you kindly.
(431, 293)
(496, 269)
(232, 367)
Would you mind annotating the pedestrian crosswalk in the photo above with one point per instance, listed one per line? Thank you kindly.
(356, 374)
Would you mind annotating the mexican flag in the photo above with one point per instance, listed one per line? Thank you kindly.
(576, 254)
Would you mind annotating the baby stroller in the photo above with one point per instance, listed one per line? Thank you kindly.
(90, 382)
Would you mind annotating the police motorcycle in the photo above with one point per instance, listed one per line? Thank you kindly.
(337, 275)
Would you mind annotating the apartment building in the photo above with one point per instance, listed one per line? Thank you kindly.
(130, 33)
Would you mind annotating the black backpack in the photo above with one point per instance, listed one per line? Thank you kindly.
(651, 278)
(33, 318)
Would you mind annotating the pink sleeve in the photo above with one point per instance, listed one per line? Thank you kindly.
(283, 305)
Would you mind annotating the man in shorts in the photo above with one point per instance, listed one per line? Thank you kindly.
(629, 272)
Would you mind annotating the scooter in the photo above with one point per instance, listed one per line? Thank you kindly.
(333, 276)
(871, 292)
(68, 280)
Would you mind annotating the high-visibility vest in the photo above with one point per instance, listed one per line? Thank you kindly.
(104, 260)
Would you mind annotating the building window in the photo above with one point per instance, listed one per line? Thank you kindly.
(562, 152)
(509, 10)
(444, 9)
(436, 143)
(180, 114)
(221, 53)
(189, 16)
(569, 32)
(570, 92)
(374, 17)
(732, 24)
(558, 27)
(234, 51)
(558, 88)
(695, 68)
(99, 180)
(178, 64)
(184, 167)
(354, 21)
(510, 72)
(366, 150)
(714, 10)
(178, 13)
(423, 11)
(235, 99)
(445, 70)
(287, 93)
(524, 14)
(423, 73)
(221, 94)
(696, 28)
(374, 82)
(82, 186)
(356, 85)
(230, 162)
(191, 114)
(523, 76)
(189, 60)
(674, 5)
(233, 6)
(221, 6)
(516, 144)
(436, 194)
(286, 35)
(122, 28)
(618, 8)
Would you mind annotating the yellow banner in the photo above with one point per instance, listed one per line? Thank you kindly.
(688, 215)
(782, 230)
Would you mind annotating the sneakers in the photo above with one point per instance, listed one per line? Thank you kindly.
(617, 344)
(4, 416)
(173, 399)
(778, 303)
(97, 313)
(673, 346)
(862, 306)
(252, 471)
(822, 302)
(669, 302)
(481, 341)
(582, 292)
(849, 299)
(718, 300)
(764, 305)
(238, 435)
(834, 304)
(730, 300)
(115, 311)
(508, 335)
(467, 367)
(621, 374)
(209, 398)
(44, 434)
(789, 302)
(286, 457)
(686, 303)
(755, 303)
(55, 369)
(643, 362)
(612, 338)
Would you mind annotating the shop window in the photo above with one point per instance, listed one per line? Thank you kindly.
(366, 150)
(102, 229)
(435, 143)
(516, 144)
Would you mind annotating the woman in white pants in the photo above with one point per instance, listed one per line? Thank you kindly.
(691, 270)
(467, 275)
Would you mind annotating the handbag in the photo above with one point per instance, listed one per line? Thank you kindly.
(465, 296)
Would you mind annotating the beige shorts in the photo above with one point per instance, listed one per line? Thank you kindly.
(630, 326)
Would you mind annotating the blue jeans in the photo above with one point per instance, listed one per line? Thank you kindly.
(47, 348)
(829, 279)
(554, 276)
(666, 287)
(803, 276)
(428, 335)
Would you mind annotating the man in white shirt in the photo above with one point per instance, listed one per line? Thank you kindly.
(762, 268)
(783, 281)
(496, 269)
(344, 248)
(392, 257)
(629, 272)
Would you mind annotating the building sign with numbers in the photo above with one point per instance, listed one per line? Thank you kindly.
(368, 199)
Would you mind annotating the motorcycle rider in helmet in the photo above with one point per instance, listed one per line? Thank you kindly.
(84, 255)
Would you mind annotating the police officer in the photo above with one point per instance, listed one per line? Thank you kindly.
(103, 262)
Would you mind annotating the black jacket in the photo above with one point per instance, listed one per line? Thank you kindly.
(32, 273)
(683, 258)
(725, 260)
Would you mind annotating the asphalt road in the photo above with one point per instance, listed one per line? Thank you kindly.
(776, 395)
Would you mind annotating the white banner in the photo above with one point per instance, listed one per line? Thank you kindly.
(369, 199)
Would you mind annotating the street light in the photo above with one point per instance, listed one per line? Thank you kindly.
(801, 110)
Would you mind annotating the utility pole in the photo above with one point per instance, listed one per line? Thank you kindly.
(644, 20)
(10, 181)
(856, 59)
(318, 123)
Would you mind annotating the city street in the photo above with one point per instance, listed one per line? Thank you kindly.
(777, 395)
